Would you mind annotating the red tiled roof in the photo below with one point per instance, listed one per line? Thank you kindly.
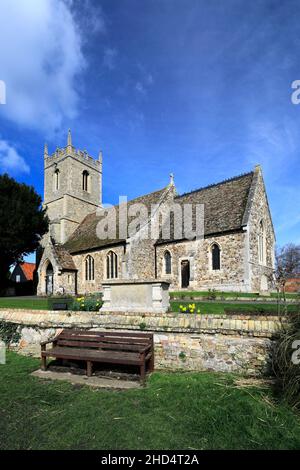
(28, 270)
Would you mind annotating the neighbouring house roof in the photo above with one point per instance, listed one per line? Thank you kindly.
(85, 236)
(224, 204)
(28, 270)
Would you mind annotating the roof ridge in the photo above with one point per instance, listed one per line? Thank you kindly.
(145, 195)
(228, 180)
(130, 200)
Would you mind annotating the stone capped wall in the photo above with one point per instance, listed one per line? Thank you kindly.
(240, 344)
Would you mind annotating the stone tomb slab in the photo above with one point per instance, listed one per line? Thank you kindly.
(95, 382)
(136, 296)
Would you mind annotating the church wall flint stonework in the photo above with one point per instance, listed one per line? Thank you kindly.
(235, 254)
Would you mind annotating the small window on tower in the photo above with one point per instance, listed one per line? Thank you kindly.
(85, 180)
(56, 180)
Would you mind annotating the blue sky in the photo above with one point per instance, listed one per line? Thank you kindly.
(201, 89)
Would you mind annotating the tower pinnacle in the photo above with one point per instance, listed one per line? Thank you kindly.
(69, 138)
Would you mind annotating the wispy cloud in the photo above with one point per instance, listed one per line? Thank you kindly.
(140, 88)
(10, 160)
(89, 17)
(109, 59)
(46, 42)
(273, 145)
(143, 85)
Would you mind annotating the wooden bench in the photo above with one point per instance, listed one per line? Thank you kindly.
(133, 349)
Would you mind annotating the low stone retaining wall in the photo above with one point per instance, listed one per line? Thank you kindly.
(182, 342)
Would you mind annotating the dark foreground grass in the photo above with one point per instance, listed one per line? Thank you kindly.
(174, 411)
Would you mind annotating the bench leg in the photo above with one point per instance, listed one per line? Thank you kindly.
(44, 363)
(89, 367)
(143, 372)
(151, 363)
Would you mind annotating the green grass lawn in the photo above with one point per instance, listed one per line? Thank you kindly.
(226, 295)
(205, 307)
(218, 307)
(32, 304)
(174, 411)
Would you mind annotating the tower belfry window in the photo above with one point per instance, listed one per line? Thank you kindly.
(56, 180)
(85, 180)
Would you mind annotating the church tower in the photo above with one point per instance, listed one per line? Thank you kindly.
(72, 188)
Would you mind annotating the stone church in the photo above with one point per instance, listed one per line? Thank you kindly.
(234, 253)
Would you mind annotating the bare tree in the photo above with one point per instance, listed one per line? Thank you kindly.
(288, 260)
(287, 264)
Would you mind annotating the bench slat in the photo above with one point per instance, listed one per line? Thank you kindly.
(124, 348)
(114, 357)
(97, 344)
(109, 333)
(105, 339)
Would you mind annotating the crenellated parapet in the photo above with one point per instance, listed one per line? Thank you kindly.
(72, 187)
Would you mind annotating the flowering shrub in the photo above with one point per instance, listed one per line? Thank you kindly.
(87, 304)
(190, 308)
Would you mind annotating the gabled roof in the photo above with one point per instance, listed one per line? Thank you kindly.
(63, 258)
(85, 236)
(224, 204)
(28, 270)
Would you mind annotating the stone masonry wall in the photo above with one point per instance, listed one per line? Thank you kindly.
(84, 286)
(260, 273)
(230, 277)
(240, 344)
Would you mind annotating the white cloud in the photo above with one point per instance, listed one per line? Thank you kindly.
(274, 146)
(109, 59)
(10, 160)
(41, 61)
(149, 79)
(140, 88)
(146, 80)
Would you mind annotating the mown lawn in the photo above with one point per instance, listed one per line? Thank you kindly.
(205, 307)
(219, 307)
(32, 304)
(174, 411)
(226, 295)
